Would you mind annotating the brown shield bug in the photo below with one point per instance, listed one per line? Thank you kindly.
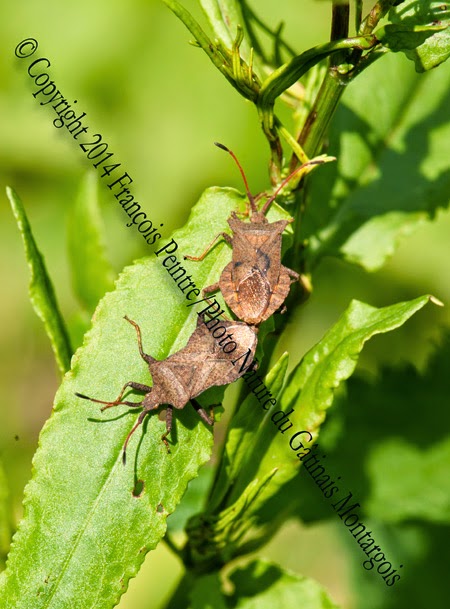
(203, 363)
(255, 284)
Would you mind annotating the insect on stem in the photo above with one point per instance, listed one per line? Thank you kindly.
(255, 284)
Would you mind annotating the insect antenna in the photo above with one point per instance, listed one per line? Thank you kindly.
(247, 189)
(288, 179)
(117, 402)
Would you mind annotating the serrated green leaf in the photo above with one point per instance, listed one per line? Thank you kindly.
(84, 534)
(308, 394)
(435, 49)
(391, 139)
(41, 292)
(310, 387)
(92, 274)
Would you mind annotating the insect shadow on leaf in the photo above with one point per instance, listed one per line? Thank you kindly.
(181, 377)
(255, 284)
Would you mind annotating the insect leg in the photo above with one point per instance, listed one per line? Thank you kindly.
(133, 429)
(211, 288)
(209, 419)
(293, 275)
(169, 415)
(117, 401)
(224, 236)
(148, 358)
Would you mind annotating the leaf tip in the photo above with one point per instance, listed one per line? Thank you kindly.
(12, 195)
(436, 301)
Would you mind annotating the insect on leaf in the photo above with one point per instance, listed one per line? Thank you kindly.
(84, 534)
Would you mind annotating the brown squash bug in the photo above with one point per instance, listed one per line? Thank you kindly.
(203, 363)
(255, 284)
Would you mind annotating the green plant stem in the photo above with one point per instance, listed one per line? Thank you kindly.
(284, 77)
(213, 51)
(316, 125)
(378, 12)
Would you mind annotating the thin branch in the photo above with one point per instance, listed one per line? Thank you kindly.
(378, 12)
(285, 76)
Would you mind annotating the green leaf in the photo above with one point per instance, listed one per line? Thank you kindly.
(193, 500)
(224, 17)
(41, 292)
(391, 139)
(260, 585)
(214, 539)
(426, 495)
(241, 436)
(92, 274)
(421, 550)
(206, 593)
(403, 473)
(308, 394)
(84, 534)
(403, 38)
(434, 49)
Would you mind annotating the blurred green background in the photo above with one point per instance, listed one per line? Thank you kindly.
(160, 105)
